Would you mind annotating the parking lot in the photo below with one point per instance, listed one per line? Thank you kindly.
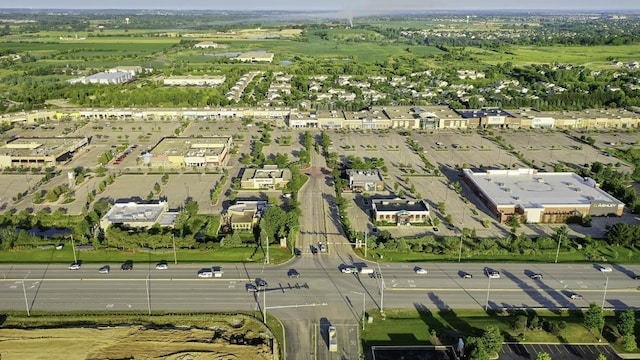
(516, 351)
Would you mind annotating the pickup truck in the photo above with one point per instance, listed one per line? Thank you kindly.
(366, 270)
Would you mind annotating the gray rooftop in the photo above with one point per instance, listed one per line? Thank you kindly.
(396, 205)
(529, 188)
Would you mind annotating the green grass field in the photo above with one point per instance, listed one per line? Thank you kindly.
(413, 327)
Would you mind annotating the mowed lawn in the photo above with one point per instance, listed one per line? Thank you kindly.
(591, 56)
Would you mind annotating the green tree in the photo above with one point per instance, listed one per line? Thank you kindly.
(629, 343)
(626, 321)
(601, 357)
(594, 318)
(156, 188)
(543, 356)
(192, 208)
(493, 339)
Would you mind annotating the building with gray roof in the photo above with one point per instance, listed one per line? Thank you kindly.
(400, 211)
(139, 215)
(540, 197)
(365, 180)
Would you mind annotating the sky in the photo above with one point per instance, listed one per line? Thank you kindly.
(314, 5)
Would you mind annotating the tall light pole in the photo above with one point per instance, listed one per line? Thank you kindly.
(148, 295)
(486, 306)
(460, 252)
(266, 240)
(175, 254)
(558, 250)
(363, 304)
(381, 290)
(24, 291)
(73, 248)
(264, 306)
(604, 296)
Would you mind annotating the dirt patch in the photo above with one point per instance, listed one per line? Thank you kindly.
(135, 342)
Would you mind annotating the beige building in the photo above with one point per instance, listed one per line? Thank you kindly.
(191, 152)
(365, 180)
(255, 56)
(270, 177)
(399, 211)
(244, 214)
(204, 81)
(39, 151)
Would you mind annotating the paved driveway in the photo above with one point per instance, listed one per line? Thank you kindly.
(513, 351)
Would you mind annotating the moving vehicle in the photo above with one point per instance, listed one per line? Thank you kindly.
(261, 282)
(605, 268)
(293, 273)
(333, 339)
(74, 266)
(205, 273)
(217, 271)
(322, 247)
(347, 269)
(575, 296)
(536, 276)
(162, 266)
(127, 266)
(104, 270)
(465, 275)
(491, 274)
(420, 270)
(366, 270)
(250, 287)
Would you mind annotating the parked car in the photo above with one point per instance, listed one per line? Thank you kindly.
(162, 266)
(293, 273)
(104, 270)
(74, 266)
(420, 270)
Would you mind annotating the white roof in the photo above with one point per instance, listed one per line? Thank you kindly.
(531, 189)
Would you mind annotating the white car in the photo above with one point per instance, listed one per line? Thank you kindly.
(605, 268)
(492, 274)
(205, 273)
(420, 270)
(348, 269)
(74, 266)
(162, 266)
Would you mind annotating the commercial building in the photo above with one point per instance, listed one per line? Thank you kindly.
(205, 81)
(489, 118)
(255, 56)
(39, 151)
(244, 214)
(540, 197)
(105, 78)
(139, 215)
(365, 180)
(270, 177)
(191, 152)
(400, 211)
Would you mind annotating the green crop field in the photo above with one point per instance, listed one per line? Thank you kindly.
(591, 56)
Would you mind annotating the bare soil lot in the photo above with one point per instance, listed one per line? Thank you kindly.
(134, 342)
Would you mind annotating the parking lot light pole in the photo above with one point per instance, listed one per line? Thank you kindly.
(558, 250)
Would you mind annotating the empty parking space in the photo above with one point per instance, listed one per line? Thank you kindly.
(515, 351)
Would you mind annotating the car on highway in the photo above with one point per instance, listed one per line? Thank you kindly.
(297, 252)
(420, 270)
(575, 296)
(536, 276)
(205, 273)
(162, 266)
(322, 247)
(250, 287)
(465, 275)
(347, 269)
(491, 274)
(128, 265)
(603, 268)
(104, 270)
(74, 266)
(261, 282)
(293, 273)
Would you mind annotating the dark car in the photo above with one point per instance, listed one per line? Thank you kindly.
(637, 277)
(536, 276)
(465, 275)
(293, 273)
(297, 252)
(250, 287)
(127, 266)
(261, 282)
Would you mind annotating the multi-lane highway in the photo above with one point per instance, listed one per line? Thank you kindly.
(322, 295)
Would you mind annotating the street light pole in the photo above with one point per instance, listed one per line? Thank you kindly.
(460, 252)
(175, 254)
(486, 306)
(558, 250)
(363, 305)
(148, 296)
(73, 248)
(24, 291)
(381, 289)
(264, 306)
(266, 240)
(604, 296)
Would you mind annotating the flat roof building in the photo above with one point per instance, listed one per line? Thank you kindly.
(39, 151)
(540, 197)
(365, 180)
(105, 78)
(270, 177)
(139, 215)
(255, 56)
(208, 81)
(244, 214)
(192, 152)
